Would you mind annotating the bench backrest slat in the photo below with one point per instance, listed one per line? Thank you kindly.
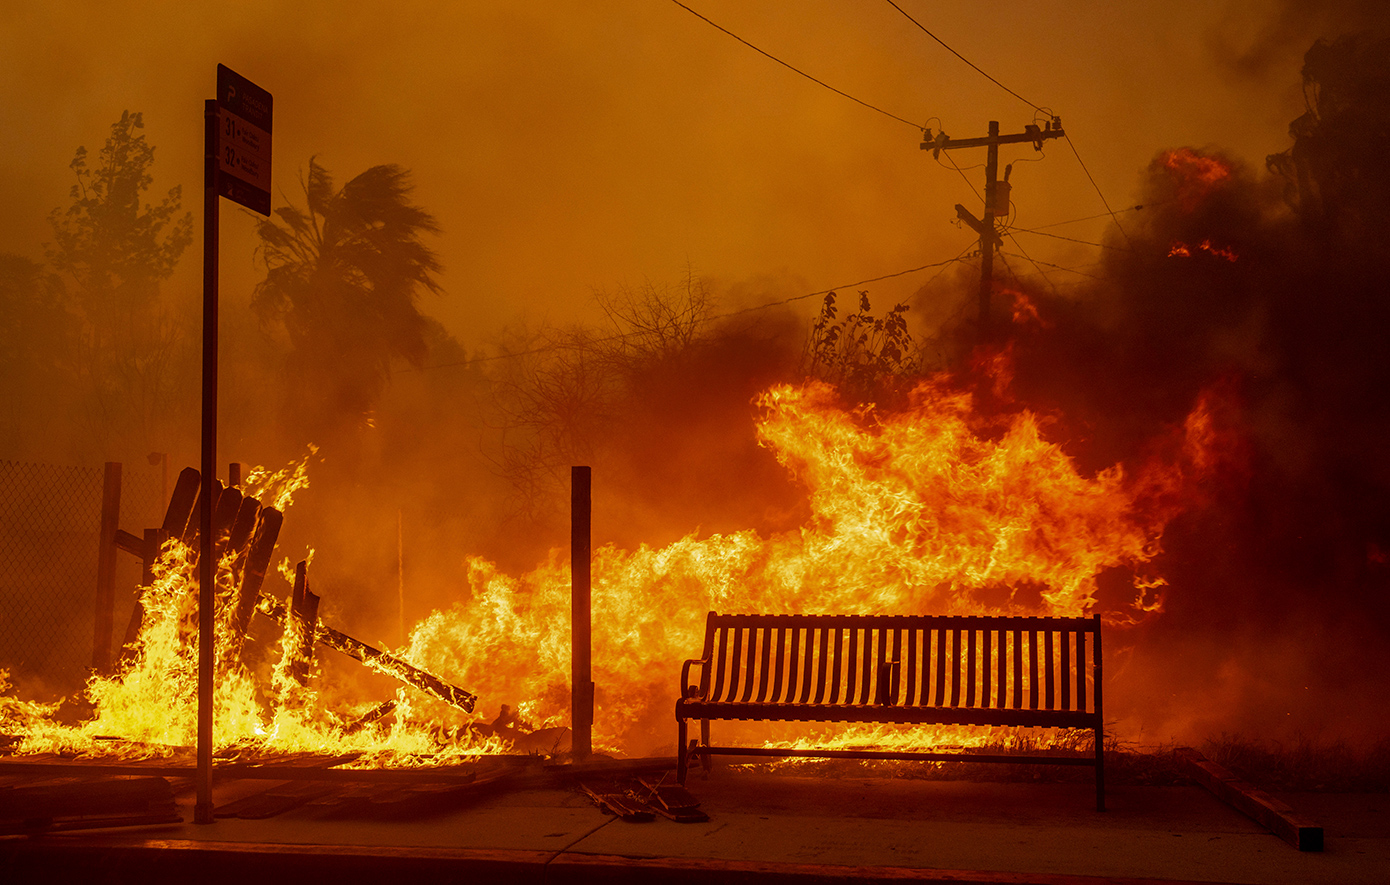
(765, 643)
(1064, 665)
(780, 659)
(1081, 671)
(942, 661)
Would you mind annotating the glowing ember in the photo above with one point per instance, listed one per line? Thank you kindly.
(1182, 250)
(1195, 175)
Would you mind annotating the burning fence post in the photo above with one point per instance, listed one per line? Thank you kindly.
(150, 546)
(581, 684)
(301, 625)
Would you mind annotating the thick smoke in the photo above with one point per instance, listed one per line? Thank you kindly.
(1267, 292)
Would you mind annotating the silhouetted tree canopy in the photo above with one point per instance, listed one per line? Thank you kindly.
(1336, 170)
(111, 251)
(344, 276)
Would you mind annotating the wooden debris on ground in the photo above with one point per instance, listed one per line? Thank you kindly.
(1273, 814)
(641, 799)
(671, 800)
(82, 803)
(620, 803)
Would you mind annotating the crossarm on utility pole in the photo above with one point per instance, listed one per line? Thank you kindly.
(989, 236)
(976, 224)
(377, 659)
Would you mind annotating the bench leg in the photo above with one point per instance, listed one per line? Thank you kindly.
(682, 757)
(706, 760)
(1100, 770)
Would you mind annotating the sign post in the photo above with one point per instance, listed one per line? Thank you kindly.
(236, 165)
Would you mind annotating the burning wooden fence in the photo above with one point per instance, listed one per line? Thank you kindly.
(245, 536)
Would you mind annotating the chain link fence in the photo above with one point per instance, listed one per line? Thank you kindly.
(50, 520)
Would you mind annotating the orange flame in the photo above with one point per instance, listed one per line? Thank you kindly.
(931, 510)
(934, 509)
(1182, 250)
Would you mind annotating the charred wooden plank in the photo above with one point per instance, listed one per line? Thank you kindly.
(248, 590)
(182, 502)
(243, 527)
(129, 543)
(377, 659)
(191, 529)
(380, 711)
(228, 507)
(1264, 809)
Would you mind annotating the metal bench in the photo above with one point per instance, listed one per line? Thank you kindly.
(911, 670)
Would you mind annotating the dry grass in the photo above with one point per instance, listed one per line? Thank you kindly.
(1302, 766)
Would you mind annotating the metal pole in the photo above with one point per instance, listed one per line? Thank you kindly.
(106, 567)
(987, 234)
(202, 810)
(400, 577)
(581, 684)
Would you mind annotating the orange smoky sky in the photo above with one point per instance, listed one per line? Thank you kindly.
(568, 147)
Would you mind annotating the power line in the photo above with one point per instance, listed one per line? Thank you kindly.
(1024, 230)
(1104, 201)
(963, 58)
(963, 176)
(1090, 217)
(916, 126)
(1056, 266)
(1114, 217)
(1030, 260)
(548, 348)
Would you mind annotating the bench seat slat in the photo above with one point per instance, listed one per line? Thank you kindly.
(696, 709)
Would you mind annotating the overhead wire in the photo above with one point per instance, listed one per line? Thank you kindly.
(1030, 260)
(1054, 266)
(963, 58)
(1113, 217)
(1024, 230)
(784, 64)
(1037, 108)
(1090, 217)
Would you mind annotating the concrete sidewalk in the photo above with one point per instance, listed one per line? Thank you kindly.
(762, 828)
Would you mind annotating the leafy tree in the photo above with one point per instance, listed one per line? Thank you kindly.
(112, 251)
(870, 359)
(1335, 171)
(344, 276)
(36, 338)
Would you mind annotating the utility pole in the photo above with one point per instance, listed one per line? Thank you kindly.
(996, 198)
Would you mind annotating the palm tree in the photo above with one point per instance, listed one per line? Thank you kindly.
(343, 276)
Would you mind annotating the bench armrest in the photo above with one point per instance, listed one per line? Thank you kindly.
(688, 690)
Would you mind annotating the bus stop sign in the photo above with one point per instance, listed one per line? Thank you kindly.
(243, 141)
